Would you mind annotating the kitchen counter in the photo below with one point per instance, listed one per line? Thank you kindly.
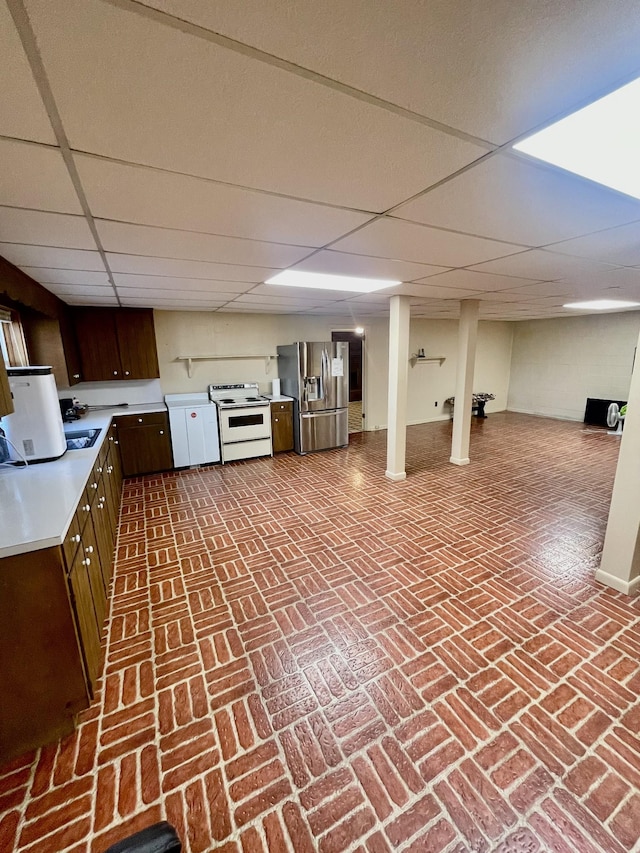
(39, 502)
(278, 398)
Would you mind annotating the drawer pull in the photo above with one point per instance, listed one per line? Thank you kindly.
(86, 507)
(126, 373)
(161, 432)
(115, 372)
(75, 538)
(139, 420)
(94, 485)
(89, 549)
(86, 562)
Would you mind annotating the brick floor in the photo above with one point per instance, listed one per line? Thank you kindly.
(302, 655)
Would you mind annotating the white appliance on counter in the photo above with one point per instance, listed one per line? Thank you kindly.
(194, 429)
(35, 427)
(244, 416)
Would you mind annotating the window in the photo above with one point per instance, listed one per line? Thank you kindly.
(12, 342)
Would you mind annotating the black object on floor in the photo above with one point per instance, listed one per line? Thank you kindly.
(158, 838)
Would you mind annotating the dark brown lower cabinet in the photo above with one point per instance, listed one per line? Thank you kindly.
(145, 443)
(53, 604)
(282, 425)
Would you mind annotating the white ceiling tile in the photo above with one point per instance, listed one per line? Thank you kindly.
(542, 265)
(172, 304)
(62, 276)
(302, 294)
(22, 113)
(186, 295)
(35, 176)
(163, 283)
(171, 267)
(478, 281)
(615, 246)
(249, 123)
(442, 291)
(64, 290)
(544, 288)
(341, 263)
(90, 300)
(531, 205)
(47, 257)
(492, 69)
(44, 229)
(394, 238)
(152, 197)
(144, 240)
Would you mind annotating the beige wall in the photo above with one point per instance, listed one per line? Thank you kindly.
(557, 364)
(181, 333)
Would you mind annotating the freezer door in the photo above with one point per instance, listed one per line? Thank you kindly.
(323, 430)
(324, 375)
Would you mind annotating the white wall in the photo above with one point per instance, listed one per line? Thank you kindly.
(181, 333)
(557, 364)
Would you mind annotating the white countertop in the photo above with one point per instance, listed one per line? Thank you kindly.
(277, 398)
(38, 502)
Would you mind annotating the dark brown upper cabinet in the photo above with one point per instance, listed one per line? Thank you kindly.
(116, 343)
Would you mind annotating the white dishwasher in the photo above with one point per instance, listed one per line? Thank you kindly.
(193, 420)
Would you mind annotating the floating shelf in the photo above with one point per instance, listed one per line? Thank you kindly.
(423, 359)
(191, 358)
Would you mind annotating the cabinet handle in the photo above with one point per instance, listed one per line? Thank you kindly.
(126, 373)
(86, 562)
(99, 470)
(75, 538)
(139, 420)
(109, 469)
(276, 420)
(86, 507)
(115, 372)
(89, 549)
(94, 485)
(76, 376)
(161, 432)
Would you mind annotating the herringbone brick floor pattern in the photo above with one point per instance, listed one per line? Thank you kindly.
(302, 655)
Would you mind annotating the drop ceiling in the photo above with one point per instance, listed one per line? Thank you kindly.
(175, 155)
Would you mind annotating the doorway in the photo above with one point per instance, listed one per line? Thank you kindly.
(356, 360)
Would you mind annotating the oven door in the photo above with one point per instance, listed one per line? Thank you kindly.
(246, 423)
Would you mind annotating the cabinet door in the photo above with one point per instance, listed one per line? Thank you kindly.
(87, 623)
(104, 531)
(70, 348)
(282, 426)
(6, 400)
(145, 449)
(97, 344)
(137, 343)
(91, 554)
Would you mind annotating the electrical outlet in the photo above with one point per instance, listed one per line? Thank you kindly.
(436, 404)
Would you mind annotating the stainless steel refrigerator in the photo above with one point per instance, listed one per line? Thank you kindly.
(316, 375)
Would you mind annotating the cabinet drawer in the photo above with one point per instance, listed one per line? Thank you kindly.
(147, 419)
(282, 406)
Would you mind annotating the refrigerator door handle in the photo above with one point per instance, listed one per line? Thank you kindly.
(324, 375)
(328, 413)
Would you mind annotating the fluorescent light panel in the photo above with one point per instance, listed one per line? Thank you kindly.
(324, 281)
(599, 142)
(601, 304)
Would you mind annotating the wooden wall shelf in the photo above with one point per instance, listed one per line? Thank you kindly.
(191, 358)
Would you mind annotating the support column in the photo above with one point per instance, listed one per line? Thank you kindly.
(620, 564)
(467, 337)
(399, 315)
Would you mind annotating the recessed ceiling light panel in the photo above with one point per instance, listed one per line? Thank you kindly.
(324, 281)
(599, 142)
(602, 305)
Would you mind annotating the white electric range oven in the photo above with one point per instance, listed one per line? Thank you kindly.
(244, 419)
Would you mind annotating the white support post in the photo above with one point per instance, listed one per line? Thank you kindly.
(620, 564)
(399, 316)
(467, 337)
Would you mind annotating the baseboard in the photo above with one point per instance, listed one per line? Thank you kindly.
(544, 415)
(455, 461)
(396, 477)
(626, 587)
